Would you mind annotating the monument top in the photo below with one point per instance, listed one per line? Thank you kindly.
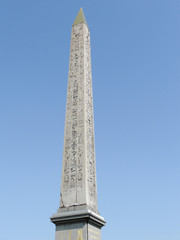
(80, 18)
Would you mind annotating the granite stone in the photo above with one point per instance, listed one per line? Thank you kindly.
(77, 217)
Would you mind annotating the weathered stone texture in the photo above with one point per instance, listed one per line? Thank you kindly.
(77, 217)
(78, 184)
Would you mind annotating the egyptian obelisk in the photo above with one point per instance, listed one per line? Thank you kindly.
(77, 217)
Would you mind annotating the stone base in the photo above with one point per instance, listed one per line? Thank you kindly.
(76, 208)
(78, 225)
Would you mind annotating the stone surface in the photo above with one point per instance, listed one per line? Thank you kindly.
(72, 231)
(78, 225)
(77, 217)
(78, 183)
(77, 231)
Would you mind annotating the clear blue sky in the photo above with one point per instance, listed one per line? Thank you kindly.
(136, 84)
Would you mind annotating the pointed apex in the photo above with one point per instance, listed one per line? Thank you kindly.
(80, 18)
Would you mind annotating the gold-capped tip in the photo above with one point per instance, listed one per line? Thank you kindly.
(80, 18)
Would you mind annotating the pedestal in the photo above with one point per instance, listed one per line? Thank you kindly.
(78, 225)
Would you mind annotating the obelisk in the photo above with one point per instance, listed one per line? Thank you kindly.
(77, 217)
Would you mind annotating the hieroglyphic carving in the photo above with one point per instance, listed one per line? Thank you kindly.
(91, 166)
(74, 125)
(79, 170)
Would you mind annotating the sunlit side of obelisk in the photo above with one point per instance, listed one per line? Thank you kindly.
(77, 216)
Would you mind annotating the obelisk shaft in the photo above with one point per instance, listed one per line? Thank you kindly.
(78, 184)
(77, 217)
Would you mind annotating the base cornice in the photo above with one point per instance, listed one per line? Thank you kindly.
(78, 216)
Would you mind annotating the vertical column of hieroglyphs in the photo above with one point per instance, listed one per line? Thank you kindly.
(73, 172)
(90, 145)
(81, 191)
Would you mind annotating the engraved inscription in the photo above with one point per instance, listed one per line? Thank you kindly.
(79, 169)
